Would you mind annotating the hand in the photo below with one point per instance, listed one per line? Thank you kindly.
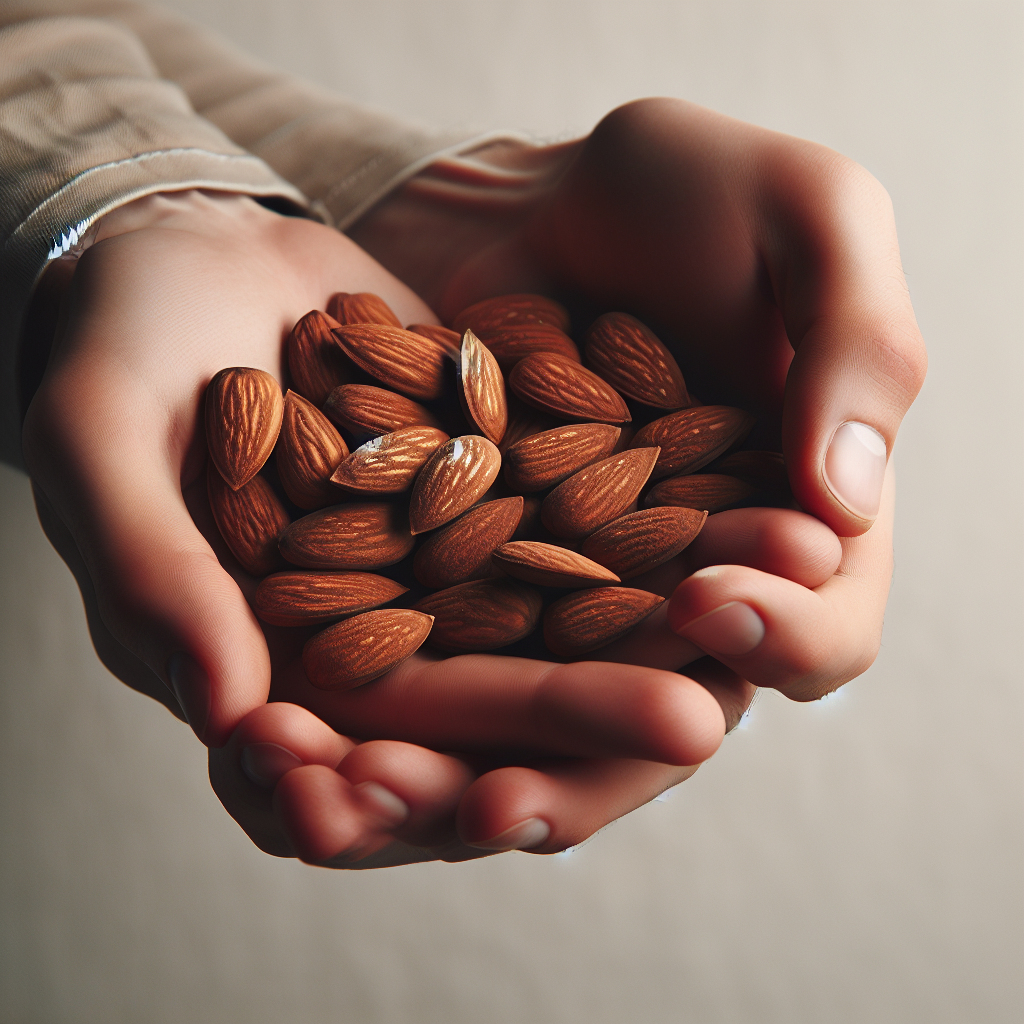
(772, 266)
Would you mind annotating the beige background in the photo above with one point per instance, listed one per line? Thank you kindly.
(853, 861)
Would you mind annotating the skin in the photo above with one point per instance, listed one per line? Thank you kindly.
(771, 264)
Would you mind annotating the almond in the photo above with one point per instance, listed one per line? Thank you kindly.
(308, 449)
(244, 409)
(388, 464)
(367, 535)
(692, 438)
(456, 476)
(511, 311)
(530, 526)
(545, 459)
(313, 598)
(565, 389)
(711, 491)
(588, 619)
(250, 520)
(361, 308)
(549, 566)
(643, 540)
(365, 411)
(443, 335)
(362, 648)
(462, 550)
(597, 494)
(482, 389)
(399, 359)
(764, 470)
(523, 421)
(315, 362)
(510, 344)
(482, 615)
(633, 360)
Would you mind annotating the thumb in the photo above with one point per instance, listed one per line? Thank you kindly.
(859, 357)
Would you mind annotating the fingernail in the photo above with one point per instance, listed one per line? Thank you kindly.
(733, 629)
(265, 763)
(524, 836)
(855, 468)
(191, 686)
(381, 802)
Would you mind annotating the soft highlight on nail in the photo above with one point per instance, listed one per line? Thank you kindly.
(524, 836)
(854, 468)
(379, 801)
(733, 630)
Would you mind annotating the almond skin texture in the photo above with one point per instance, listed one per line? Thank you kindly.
(455, 477)
(368, 535)
(549, 566)
(764, 470)
(713, 492)
(510, 344)
(244, 410)
(361, 308)
(511, 311)
(693, 437)
(631, 358)
(313, 598)
(364, 411)
(597, 494)
(315, 362)
(250, 520)
(482, 615)
(545, 459)
(388, 464)
(307, 452)
(400, 360)
(482, 389)
(588, 619)
(523, 421)
(462, 550)
(565, 389)
(643, 540)
(362, 648)
(442, 335)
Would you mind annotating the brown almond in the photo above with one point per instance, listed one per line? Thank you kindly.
(443, 335)
(244, 409)
(547, 565)
(588, 619)
(597, 494)
(409, 363)
(250, 520)
(315, 362)
(482, 389)
(692, 438)
(510, 344)
(361, 308)
(365, 411)
(388, 464)
(530, 527)
(713, 492)
(565, 389)
(764, 470)
(363, 648)
(523, 421)
(511, 311)
(629, 355)
(643, 540)
(462, 550)
(482, 615)
(367, 535)
(308, 450)
(545, 459)
(456, 476)
(313, 598)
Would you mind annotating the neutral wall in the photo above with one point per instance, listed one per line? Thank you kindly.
(853, 861)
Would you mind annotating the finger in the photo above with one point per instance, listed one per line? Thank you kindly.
(833, 257)
(482, 702)
(550, 806)
(774, 632)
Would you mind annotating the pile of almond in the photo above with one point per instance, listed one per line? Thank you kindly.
(492, 471)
